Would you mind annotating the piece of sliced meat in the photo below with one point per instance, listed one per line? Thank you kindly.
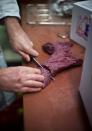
(61, 58)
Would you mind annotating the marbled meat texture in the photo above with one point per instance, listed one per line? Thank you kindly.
(61, 58)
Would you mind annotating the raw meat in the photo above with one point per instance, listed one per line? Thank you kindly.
(61, 59)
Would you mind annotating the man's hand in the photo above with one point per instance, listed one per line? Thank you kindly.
(21, 79)
(18, 39)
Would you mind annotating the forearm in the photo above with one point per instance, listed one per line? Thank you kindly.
(19, 41)
(13, 27)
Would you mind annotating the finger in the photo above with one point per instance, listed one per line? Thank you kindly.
(31, 43)
(31, 70)
(29, 50)
(36, 77)
(25, 56)
(33, 52)
(30, 90)
(33, 84)
(27, 53)
(34, 71)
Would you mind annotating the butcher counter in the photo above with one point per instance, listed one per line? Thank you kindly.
(58, 107)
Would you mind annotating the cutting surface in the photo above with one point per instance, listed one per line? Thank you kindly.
(58, 106)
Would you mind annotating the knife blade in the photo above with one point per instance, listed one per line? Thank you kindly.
(37, 63)
(34, 59)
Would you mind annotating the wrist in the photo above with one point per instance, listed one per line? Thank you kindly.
(11, 20)
(12, 24)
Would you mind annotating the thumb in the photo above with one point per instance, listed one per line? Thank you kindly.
(25, 56)
(33, 52)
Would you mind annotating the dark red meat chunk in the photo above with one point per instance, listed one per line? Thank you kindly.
(48, 48)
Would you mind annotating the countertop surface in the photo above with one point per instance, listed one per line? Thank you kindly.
(58, 106)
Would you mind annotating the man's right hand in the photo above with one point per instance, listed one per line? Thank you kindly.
(19, 40)
(21, 79)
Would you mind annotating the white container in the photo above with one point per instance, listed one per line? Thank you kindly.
(86, 79)
(81, 22)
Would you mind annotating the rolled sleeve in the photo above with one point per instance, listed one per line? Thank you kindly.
(9, 8)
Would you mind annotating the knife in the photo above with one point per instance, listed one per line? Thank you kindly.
(37, 62)
(34, 59)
